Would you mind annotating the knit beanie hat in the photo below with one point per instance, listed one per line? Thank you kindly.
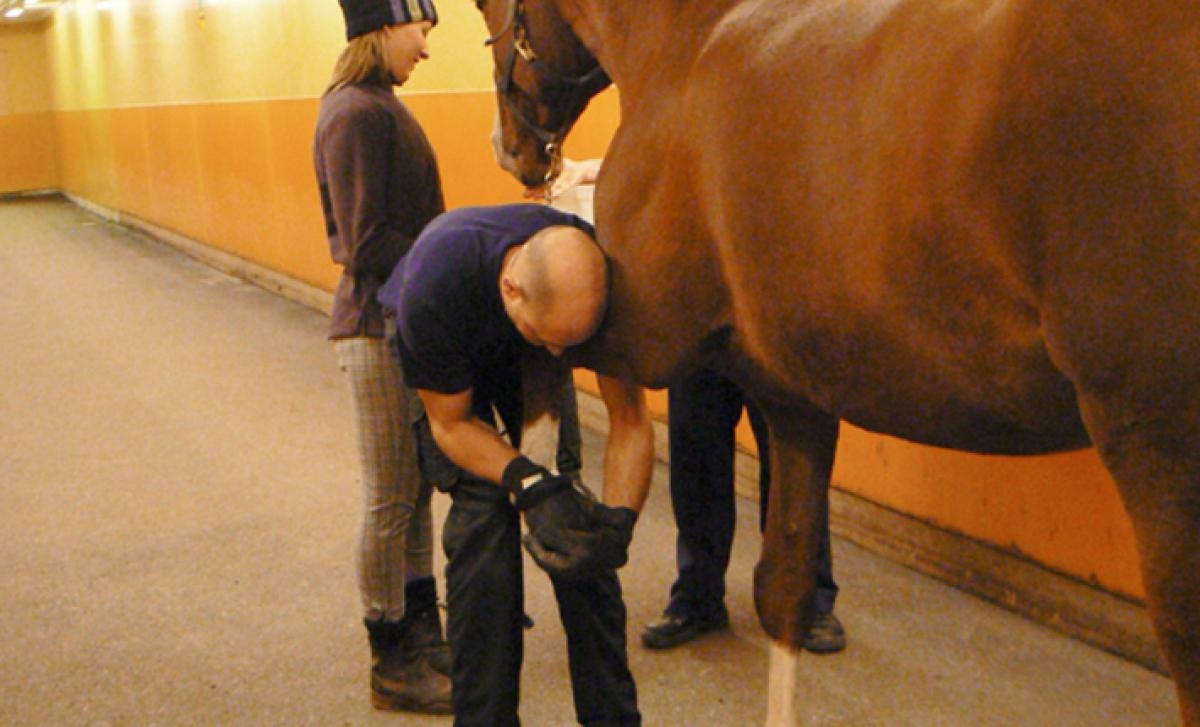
(363, 16)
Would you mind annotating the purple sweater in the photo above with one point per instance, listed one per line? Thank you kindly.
(379, 185)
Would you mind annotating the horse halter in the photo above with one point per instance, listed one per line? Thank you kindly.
(582, 87)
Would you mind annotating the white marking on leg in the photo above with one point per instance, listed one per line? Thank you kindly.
(781, 686)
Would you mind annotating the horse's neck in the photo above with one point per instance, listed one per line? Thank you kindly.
(642, 45)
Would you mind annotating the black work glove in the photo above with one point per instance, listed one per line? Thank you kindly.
(614, 531)
(571, 535)
(556, 513)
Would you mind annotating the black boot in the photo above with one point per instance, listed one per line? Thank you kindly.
(402, 678)
(425, 623)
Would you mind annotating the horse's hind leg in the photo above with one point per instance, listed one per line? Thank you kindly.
(1154, 455)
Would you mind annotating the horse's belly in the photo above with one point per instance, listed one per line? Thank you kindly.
(1021, 409)
(958, 425)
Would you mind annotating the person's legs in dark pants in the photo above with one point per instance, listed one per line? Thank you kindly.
(826, 635)
(593, 616)
(703, 410)
(485, 604)
(592, 611)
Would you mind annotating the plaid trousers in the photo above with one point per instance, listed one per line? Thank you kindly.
(395, 542)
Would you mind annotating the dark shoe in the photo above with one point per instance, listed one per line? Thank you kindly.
(826, 635)
(403, 678)
(410, 686)
(425, 636)
(672, 630)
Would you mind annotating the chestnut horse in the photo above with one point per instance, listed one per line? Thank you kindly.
(972, 224)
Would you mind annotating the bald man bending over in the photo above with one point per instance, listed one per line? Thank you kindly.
(485, 296)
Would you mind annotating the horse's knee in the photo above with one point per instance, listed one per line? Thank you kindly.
(784, 596)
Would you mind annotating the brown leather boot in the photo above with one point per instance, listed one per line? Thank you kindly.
(425, 623)
(425, 636)
(402, 678)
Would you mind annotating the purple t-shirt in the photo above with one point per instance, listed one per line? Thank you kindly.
(452, 330)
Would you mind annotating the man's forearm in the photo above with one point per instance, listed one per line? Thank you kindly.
(475, 447)
(629, 455)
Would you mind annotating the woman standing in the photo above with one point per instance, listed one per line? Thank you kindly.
(379, 186)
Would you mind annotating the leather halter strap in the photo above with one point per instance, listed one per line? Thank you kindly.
(581, 87)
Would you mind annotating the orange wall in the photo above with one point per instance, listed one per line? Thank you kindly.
(27, 141)
(239, 176)
(198, 118)
(1060, 510)
(193, 120)
(28, 161)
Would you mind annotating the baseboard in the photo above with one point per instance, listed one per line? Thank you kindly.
(1075, 608)
(1066, 604)
(29, 194)
(251, 272)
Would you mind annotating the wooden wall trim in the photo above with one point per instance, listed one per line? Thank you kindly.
(1112, 622)
(252, 272)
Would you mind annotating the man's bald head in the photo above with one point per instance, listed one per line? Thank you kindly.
(556, 287)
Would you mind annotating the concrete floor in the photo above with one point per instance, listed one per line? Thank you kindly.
(178, 504)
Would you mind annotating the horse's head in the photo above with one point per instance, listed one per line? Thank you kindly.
(544, 80)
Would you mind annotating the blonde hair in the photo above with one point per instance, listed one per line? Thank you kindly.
(362, 61)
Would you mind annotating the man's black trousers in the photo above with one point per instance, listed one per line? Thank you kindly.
(485, 597)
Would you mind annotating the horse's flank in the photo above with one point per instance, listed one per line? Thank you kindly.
(893, 161)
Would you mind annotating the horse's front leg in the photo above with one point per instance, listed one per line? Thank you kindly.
(803, 441)
(543, 382)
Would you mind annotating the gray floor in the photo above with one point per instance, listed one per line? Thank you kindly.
(178, 508)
